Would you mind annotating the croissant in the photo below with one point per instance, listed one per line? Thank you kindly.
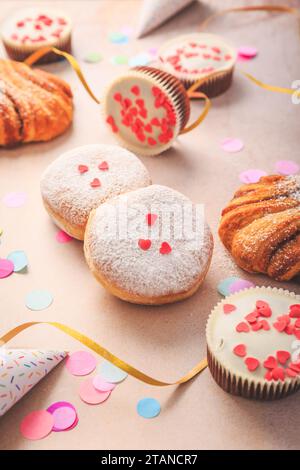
(34, 105)
(261, 227)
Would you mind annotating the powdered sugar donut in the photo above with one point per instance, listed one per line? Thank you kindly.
(149, 246)
(85, 177)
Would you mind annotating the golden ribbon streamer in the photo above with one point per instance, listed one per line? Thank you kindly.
(202, 115)
(269, 8)
(76, 67)
(266, 86)
(97, 348)
(72, 61)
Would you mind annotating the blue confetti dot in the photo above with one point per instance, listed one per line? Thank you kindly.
(19, 260)
(118, 38)
(223, 286)
(111, 373)
(140, 59)
(38, 299)
(148, 408)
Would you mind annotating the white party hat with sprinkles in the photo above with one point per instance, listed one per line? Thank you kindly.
(156, 12)
(22, 369)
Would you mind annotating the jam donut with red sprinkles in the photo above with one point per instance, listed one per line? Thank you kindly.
(149, 246)
(253, 343)
(29, 29)
(200, 56)
(146, 109)
(85, 177)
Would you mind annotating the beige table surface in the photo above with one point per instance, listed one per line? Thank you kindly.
(163, 341)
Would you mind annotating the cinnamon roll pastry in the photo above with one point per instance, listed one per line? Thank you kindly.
(260, 227)
(34, 105)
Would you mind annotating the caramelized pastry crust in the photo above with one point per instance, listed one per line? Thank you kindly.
(261, 227)
(34, 105)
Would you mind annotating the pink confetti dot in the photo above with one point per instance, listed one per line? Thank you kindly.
(81, 363)
(90, 395)
(232, 145)
(64, 418)
(287, 167)
(101, 385)
(240, 285)
(6, 268)
(37, 425)
(247, 51)
(251, 176)
(62, 404)
(15, 199)
(63, 237)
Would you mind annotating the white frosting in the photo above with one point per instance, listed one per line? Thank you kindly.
(69, 193)
(32, 28)
(123, 85)
(222, 336)
(196, 55)
(149, 273)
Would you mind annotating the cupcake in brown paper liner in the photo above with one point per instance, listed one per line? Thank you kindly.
(29, 29)
(146, 109)
(200, 56)
(253, 343)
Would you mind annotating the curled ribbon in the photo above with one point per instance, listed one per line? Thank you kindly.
(74, 64)
(97, 348)
(269, 8)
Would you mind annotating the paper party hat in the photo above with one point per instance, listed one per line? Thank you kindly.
(156, 12)
(22, 369)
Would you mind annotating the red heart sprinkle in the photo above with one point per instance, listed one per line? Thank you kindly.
(95, 183)
(270, 362)
(280, 326)
(151, 141)
(278, 373)
(257, 326)
(242, 327)
(265, 325)
(294, 366)
(297, 333)
(284, 318)
(155, 91)
(83, 168)
(240, 350)
(148, 128)
(155, 122)
(143, 113)
(144, 244)
(117, 97)
(283, 356)
(268, 375)
(295, 311)
(165, 248)
(228, 308)
(251, 317)
(135, 90)
(103, 166)
(140, 102)
(127, 103)
(297, 323)
(151, 218)
(291, 373)
(263, 308)
(251, 363)
(289, 330)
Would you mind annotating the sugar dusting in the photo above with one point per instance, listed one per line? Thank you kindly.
(148, 273)
(69, 192)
